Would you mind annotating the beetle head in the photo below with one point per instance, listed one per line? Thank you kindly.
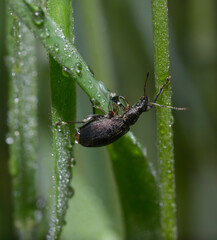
(143, 104)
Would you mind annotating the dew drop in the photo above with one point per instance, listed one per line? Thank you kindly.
(65, 72)
(90, 83)
(37, 13)
(70, 192)
(9, 140)
(38, 17)
(93, 100)
(78, 68)
(16, 100)
(56, 47)
(16, 133)
(70, 146)
(102, 87)
(47, 33)
(103, 103)
(73, 162)
(66, 46)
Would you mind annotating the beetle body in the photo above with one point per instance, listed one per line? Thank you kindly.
(108, 128)
(101, 132)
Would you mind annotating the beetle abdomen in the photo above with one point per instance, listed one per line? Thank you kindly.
(101, 132)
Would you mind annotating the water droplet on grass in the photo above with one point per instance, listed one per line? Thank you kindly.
(78, 68)
(38, 17)
(56, 47)
(73, 162)
(9, 140)
(71, 191)
(38, 13)
(65, 72)
(47, 33)
(16, 133)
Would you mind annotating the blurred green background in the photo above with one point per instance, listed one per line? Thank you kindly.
(126, 29)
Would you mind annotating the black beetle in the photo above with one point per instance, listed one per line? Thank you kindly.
(101, 130)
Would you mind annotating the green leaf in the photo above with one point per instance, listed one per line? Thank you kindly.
(137, 187)
(61, 49)
(22, 121)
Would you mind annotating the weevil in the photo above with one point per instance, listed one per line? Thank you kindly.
(100, 130)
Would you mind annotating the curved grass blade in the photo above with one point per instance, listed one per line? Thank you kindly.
(61, 48)
(137, 188)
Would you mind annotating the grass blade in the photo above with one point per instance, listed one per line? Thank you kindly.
(164, 120)
(137, 187)
(63, 101)
(22, 122)
(61, 48)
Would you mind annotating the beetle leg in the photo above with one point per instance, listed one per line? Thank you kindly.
(64, 123)
(92, 117)
(126, 102)
(110, 114)
(116, 100)
(97, 107)
(87, 119)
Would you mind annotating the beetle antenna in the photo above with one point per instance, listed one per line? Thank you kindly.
(146, 80)
(175, 108)
(161, 89)
(158, 95)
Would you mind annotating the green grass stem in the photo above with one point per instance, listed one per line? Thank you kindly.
(63, 101)
(164, 120)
